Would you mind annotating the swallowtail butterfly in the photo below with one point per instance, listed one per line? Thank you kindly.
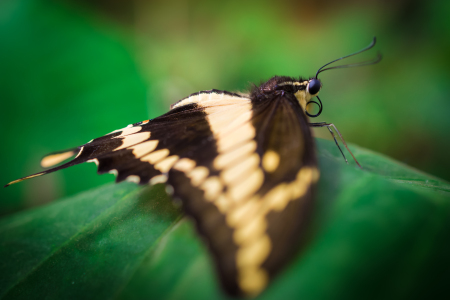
(242, 164)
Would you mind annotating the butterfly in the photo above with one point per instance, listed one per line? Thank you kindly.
(243, 165)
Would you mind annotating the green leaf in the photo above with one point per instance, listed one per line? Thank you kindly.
(380, 232)
(86, 245)
(66, 77)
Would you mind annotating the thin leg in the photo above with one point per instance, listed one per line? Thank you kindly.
(328, 125)
(337, 144)
(323, 124)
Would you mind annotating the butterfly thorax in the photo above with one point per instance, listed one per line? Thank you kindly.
(284, 85)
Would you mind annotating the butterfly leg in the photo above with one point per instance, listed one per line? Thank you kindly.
(329, 125)
(323, 124)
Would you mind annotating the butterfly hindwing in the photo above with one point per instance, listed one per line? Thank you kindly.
(288, 160)
(252, 200)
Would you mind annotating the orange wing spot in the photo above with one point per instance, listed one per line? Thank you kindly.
(145, 122)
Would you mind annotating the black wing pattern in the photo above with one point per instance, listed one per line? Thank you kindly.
(244, 169)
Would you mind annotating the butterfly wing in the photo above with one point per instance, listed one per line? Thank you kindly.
(143, 151)
(252, 198)
(243, 168)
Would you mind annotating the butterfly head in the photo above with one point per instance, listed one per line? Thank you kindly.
(303, 90)
(314, 85)
(312, 90)
(306, 91)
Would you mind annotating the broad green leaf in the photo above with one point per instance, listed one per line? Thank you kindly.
(85, 246)
(380, 232)
(66, 77)
(390, 169)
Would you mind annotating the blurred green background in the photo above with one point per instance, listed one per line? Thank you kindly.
(71, 71)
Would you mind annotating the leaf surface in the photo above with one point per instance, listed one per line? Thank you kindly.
(380, 232)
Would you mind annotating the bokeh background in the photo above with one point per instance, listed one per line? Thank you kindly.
(71, 71)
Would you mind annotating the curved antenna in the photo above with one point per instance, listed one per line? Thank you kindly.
(353, 65)
(364, 63)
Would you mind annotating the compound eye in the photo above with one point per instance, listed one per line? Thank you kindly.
(314, 86)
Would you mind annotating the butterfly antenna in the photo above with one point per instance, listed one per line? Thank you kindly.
(365, 63)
